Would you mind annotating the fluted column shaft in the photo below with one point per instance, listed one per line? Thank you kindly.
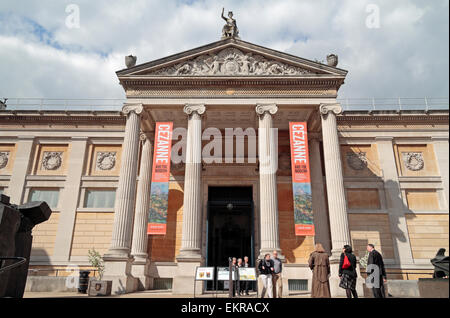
(140, 239)
(192, 203)
(126, 189)
(321, 223)
(268, 165)
(337, 206)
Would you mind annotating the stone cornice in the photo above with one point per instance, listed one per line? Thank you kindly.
(173, 82)
(110, 118)
(393, 118)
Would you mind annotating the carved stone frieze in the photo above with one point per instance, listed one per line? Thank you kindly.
(230, 61)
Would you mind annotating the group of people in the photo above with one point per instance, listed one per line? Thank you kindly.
(270, 268)
(240, 287)
(320, 265)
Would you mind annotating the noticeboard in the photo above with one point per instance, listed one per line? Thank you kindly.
(247, 273)
(223, 273)
(204, 273)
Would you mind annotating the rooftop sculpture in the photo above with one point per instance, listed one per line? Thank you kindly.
(229, 30)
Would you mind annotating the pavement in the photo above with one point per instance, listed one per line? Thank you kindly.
(142, 294)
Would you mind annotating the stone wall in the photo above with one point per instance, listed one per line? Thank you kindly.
(427, 233)
(93, 230)
(44, 236)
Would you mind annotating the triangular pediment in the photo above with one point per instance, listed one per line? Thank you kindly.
(231, 57)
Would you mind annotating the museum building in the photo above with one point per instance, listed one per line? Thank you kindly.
(377, 176)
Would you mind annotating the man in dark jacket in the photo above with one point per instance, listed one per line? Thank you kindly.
(376, 272)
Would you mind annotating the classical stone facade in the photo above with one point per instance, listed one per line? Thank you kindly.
(376, 177)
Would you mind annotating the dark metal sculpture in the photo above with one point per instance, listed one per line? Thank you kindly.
(441, 264)
(16, 223)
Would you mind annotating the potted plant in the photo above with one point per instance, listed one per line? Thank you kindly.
(98, 287)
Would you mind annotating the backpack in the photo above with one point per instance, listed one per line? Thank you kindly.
(346, 264)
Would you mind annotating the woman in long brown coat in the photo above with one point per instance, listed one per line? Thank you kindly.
(320, 265)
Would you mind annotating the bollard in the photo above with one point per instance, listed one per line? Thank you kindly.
(83, 281)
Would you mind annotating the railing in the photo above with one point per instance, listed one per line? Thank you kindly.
(88, 104)
(115, 104)
(374, 104)
(20, 261)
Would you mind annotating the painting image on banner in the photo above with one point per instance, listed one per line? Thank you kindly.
(159, 192)
(303, 212)
(301, 182)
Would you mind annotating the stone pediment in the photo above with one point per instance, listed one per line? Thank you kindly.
(234, 58)
(230, 62)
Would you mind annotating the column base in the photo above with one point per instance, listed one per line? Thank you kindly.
(183, 282)
(337, 291)
(118, 270)
(140, 271)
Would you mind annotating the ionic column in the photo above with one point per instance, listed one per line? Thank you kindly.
(321, 223)
(337, 206)
(192, 204)
(268, 165)
(126, 190)
(140, 239)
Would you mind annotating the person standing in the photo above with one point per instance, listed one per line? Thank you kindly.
(376, 272)
(320, 265)
(265, 268)
(347, 272)
(277, 282)
(234, 274)
(238, 281)
(246, 285)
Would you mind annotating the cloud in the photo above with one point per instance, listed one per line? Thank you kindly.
(41, 57)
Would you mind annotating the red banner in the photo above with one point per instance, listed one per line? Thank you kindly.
(301, 180)
(159, 192)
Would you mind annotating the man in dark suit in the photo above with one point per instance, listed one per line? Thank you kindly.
(376, 271)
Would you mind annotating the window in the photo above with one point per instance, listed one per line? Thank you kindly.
(1, 191)
(100, 198)
(50, 196)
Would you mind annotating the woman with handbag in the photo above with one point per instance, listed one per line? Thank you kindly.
(347, 272)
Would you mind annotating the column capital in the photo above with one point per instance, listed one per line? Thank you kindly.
(128, 108)
(191, 108)
(326, 108)
(144, 136)
(271, 108)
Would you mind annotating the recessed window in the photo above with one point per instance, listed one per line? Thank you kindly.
(100, 198)
(51, 196)
(1, 191)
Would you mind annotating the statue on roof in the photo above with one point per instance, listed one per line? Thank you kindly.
(229, 30)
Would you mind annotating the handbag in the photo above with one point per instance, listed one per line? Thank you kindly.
(346, 264)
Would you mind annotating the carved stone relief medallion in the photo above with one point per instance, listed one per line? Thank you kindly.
(51, 160)
(413, 160)
(356, 160)
(106, 160)
(4, 157)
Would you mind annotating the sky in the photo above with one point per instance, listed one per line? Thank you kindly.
(390, 48)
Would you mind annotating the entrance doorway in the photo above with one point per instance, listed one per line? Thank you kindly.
(229, 226)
